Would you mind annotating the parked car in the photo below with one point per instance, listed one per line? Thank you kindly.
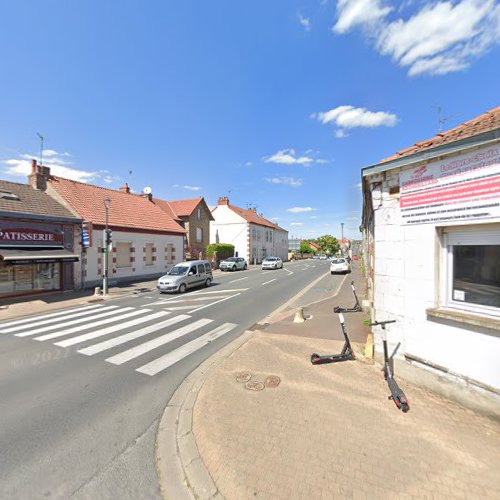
(186, 275)
(272, 263)
(232, 264)
(322, 256)
(340, 265)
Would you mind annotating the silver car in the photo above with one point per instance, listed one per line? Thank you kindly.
(233, 264)
(272, 263)
(186, 275)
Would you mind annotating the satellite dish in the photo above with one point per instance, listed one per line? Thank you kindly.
(147, 190)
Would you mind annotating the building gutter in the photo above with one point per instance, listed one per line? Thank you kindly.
(485, 139)
(41, 218)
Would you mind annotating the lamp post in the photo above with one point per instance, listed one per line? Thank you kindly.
(342, 224)
(107, 201)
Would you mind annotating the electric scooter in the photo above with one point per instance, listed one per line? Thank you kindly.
(345, 355)
(354, 309)
(397, 394)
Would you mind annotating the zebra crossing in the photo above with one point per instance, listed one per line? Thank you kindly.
(115, 329)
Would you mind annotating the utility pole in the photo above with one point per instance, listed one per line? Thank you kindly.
(106, 244)
(342, 224)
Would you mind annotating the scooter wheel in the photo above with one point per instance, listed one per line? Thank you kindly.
(314, 358)
(405, 407)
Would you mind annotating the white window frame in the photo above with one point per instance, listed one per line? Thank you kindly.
(199, 213)
(146, 261)
(464, 236)
(199, 234)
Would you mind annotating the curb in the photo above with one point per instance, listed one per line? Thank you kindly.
(181, 471)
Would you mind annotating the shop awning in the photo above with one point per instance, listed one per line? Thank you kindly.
(14, 257)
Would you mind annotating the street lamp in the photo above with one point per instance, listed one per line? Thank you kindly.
(107, 202)
(342, 224)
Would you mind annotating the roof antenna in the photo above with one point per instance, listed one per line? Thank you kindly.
(442, 119)
(41, 147)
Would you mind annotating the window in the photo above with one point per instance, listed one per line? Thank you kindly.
(123, 255)
(199, 234)
(201, 268)
(472, 270)
(148, 254)
(207, 268)
(199, 214)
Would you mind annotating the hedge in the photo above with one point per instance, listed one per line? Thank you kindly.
(221, 250)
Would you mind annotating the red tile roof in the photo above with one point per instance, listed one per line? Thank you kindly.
(252, 217)
(125, 209)
(482, 123)
(180, 208)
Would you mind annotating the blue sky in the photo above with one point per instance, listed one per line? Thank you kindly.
(276, 104)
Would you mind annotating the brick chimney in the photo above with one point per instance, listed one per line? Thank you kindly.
(125, 189)
(223, 200)
(38, 177)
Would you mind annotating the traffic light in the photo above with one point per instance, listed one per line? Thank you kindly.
(107, 237)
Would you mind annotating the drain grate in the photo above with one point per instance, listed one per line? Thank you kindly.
(272, 381)
(243, 377)
(254, 386)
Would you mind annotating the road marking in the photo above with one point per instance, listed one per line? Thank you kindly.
(111, 329)
(239, 279)
(88, 326)
(179, 308)
(289, 272)
(176, 355)
(72, 322)
(266, 282)
(220, 291)
(108, 344)
(200, 292)
(157, 342)
(51, 315)
(197, 299)
(213, 303)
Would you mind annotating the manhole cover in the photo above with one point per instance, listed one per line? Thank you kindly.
(254, 386)
(272, 381)
(243, 377)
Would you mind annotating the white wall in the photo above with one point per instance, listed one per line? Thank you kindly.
(94, 261)
(232, 229)
(406, 283)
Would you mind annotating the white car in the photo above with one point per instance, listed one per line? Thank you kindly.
(340, 266)
(272, 263)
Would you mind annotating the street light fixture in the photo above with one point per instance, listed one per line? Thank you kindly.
(106, 246)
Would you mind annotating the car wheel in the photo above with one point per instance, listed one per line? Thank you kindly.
(245, 267)
(332, 273)
(233, 268)
(183, 288)
(208, 282)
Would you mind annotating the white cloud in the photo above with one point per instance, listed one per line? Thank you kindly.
(358, 185)
(352, 13)
(350, 117)
(289, 157)
(21, 167)
(192, 188)
(340, 134)
(442, 37)
(290, 181)
(297, 224)
(298, 210)
(305, 22)
(313, 217)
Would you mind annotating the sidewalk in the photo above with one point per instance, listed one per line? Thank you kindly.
(301, 431)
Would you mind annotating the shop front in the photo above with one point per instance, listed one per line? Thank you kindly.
(35, 257)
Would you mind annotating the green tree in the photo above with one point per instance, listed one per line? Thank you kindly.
(305, 248)
(328, 244)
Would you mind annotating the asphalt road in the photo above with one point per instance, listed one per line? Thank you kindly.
(79, 419)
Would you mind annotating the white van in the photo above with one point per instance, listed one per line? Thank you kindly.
(186, 275)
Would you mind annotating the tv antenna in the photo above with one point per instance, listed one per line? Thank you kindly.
(41, 147)
(442, 119)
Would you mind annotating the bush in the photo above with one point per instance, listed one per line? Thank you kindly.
(220, 250)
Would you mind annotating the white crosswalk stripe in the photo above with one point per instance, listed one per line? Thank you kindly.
(176, 355)
(159, 341)
(51, 315)
(93, 324)
(103, 328)
(122, 339)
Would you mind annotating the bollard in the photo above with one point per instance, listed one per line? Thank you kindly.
(97, 290)
(299, 316)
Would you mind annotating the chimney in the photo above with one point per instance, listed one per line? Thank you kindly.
(39, 176)
(223, 200)
(125, 189)
(148, 196)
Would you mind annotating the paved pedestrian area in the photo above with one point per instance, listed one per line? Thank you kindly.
(329, 431)
(258, 420)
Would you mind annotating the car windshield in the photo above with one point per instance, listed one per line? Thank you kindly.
(178, 270)
(271, 259)
(231, 259)
(339, 261)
